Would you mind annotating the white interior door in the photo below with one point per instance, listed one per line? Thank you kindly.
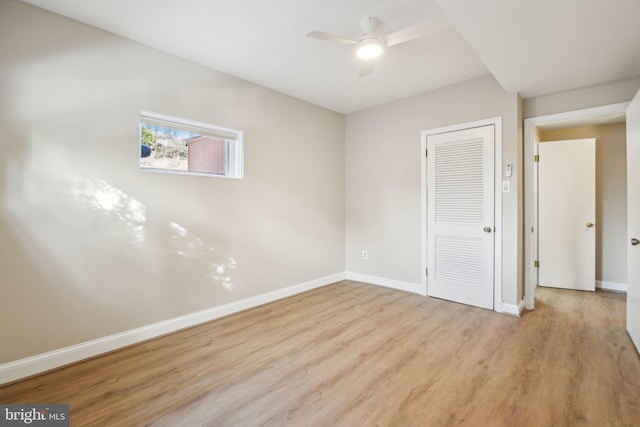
(633, 220)
(566, 214)
(460, 216)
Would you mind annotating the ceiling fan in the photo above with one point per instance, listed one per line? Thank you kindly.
(371, 45)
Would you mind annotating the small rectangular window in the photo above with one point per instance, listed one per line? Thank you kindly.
(175, 145)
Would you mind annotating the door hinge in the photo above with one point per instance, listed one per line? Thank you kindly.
(536, 264)
(426, 271)
(426, 151)
(536, 158)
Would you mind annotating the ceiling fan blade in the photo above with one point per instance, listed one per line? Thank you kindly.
(417, 31)
(366, 68)
(330, 37)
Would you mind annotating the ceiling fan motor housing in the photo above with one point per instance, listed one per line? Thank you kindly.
(368, 25)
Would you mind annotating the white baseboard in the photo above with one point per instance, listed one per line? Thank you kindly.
(611, 286)
(29, 366)
(512, 309)
(415, 288)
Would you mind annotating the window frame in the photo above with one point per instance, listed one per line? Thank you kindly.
(234, 143)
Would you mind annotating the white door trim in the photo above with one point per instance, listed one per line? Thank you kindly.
(531, 185)
(497, 255)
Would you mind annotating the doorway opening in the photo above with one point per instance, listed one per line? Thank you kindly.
(607, 125)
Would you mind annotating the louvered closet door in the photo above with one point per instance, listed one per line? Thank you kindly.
(460, 210)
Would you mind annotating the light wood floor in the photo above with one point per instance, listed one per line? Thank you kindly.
(359, 355)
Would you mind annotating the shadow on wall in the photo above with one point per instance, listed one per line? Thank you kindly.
(80, 258)
(89, 226)
(108, 248)
(194, 250)
(88, 244)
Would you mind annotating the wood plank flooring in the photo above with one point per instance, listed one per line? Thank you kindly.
(351, 354)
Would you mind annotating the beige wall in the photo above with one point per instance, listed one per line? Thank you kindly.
(89, 246)
(383, 184)
(611, 195)
(578, 99)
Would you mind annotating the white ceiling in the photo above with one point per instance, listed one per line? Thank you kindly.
(533, 47)
(536, 47)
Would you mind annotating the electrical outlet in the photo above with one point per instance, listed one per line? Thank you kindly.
(365, 255)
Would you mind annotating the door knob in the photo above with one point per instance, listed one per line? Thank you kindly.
(589, 224)
(487, 229)
(635, 242)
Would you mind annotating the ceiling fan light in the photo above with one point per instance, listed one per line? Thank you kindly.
(369, 49)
